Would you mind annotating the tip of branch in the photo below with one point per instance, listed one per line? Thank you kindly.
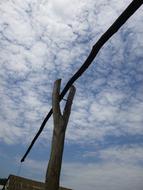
(22, 160)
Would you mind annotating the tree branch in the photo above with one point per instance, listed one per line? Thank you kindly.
(56, 98)
(67, 109)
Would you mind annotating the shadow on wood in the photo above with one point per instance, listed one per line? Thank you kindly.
(20, 183)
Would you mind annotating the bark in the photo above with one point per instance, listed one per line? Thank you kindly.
(57, 147)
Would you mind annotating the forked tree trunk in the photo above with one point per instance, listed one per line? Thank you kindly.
(60, 125)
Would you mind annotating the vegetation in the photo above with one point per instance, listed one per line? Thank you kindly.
(3, 181)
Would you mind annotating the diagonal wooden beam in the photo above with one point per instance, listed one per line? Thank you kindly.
(127, 13)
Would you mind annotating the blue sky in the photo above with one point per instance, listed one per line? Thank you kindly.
(43, 40)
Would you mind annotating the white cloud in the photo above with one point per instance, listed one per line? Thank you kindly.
(45, 40)
(109, 113)
(126, 154)
(103, 176)
(10, 134)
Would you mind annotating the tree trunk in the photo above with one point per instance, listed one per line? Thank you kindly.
(57, 147)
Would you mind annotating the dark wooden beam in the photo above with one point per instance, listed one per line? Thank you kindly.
(128, 12)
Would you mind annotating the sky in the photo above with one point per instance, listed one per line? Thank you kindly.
(44, 40)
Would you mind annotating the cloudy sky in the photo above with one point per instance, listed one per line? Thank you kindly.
(43, 40)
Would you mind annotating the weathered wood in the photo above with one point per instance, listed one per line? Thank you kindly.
(57, 147)
(20, 183)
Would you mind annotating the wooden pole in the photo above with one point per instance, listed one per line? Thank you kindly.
(60, 125)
